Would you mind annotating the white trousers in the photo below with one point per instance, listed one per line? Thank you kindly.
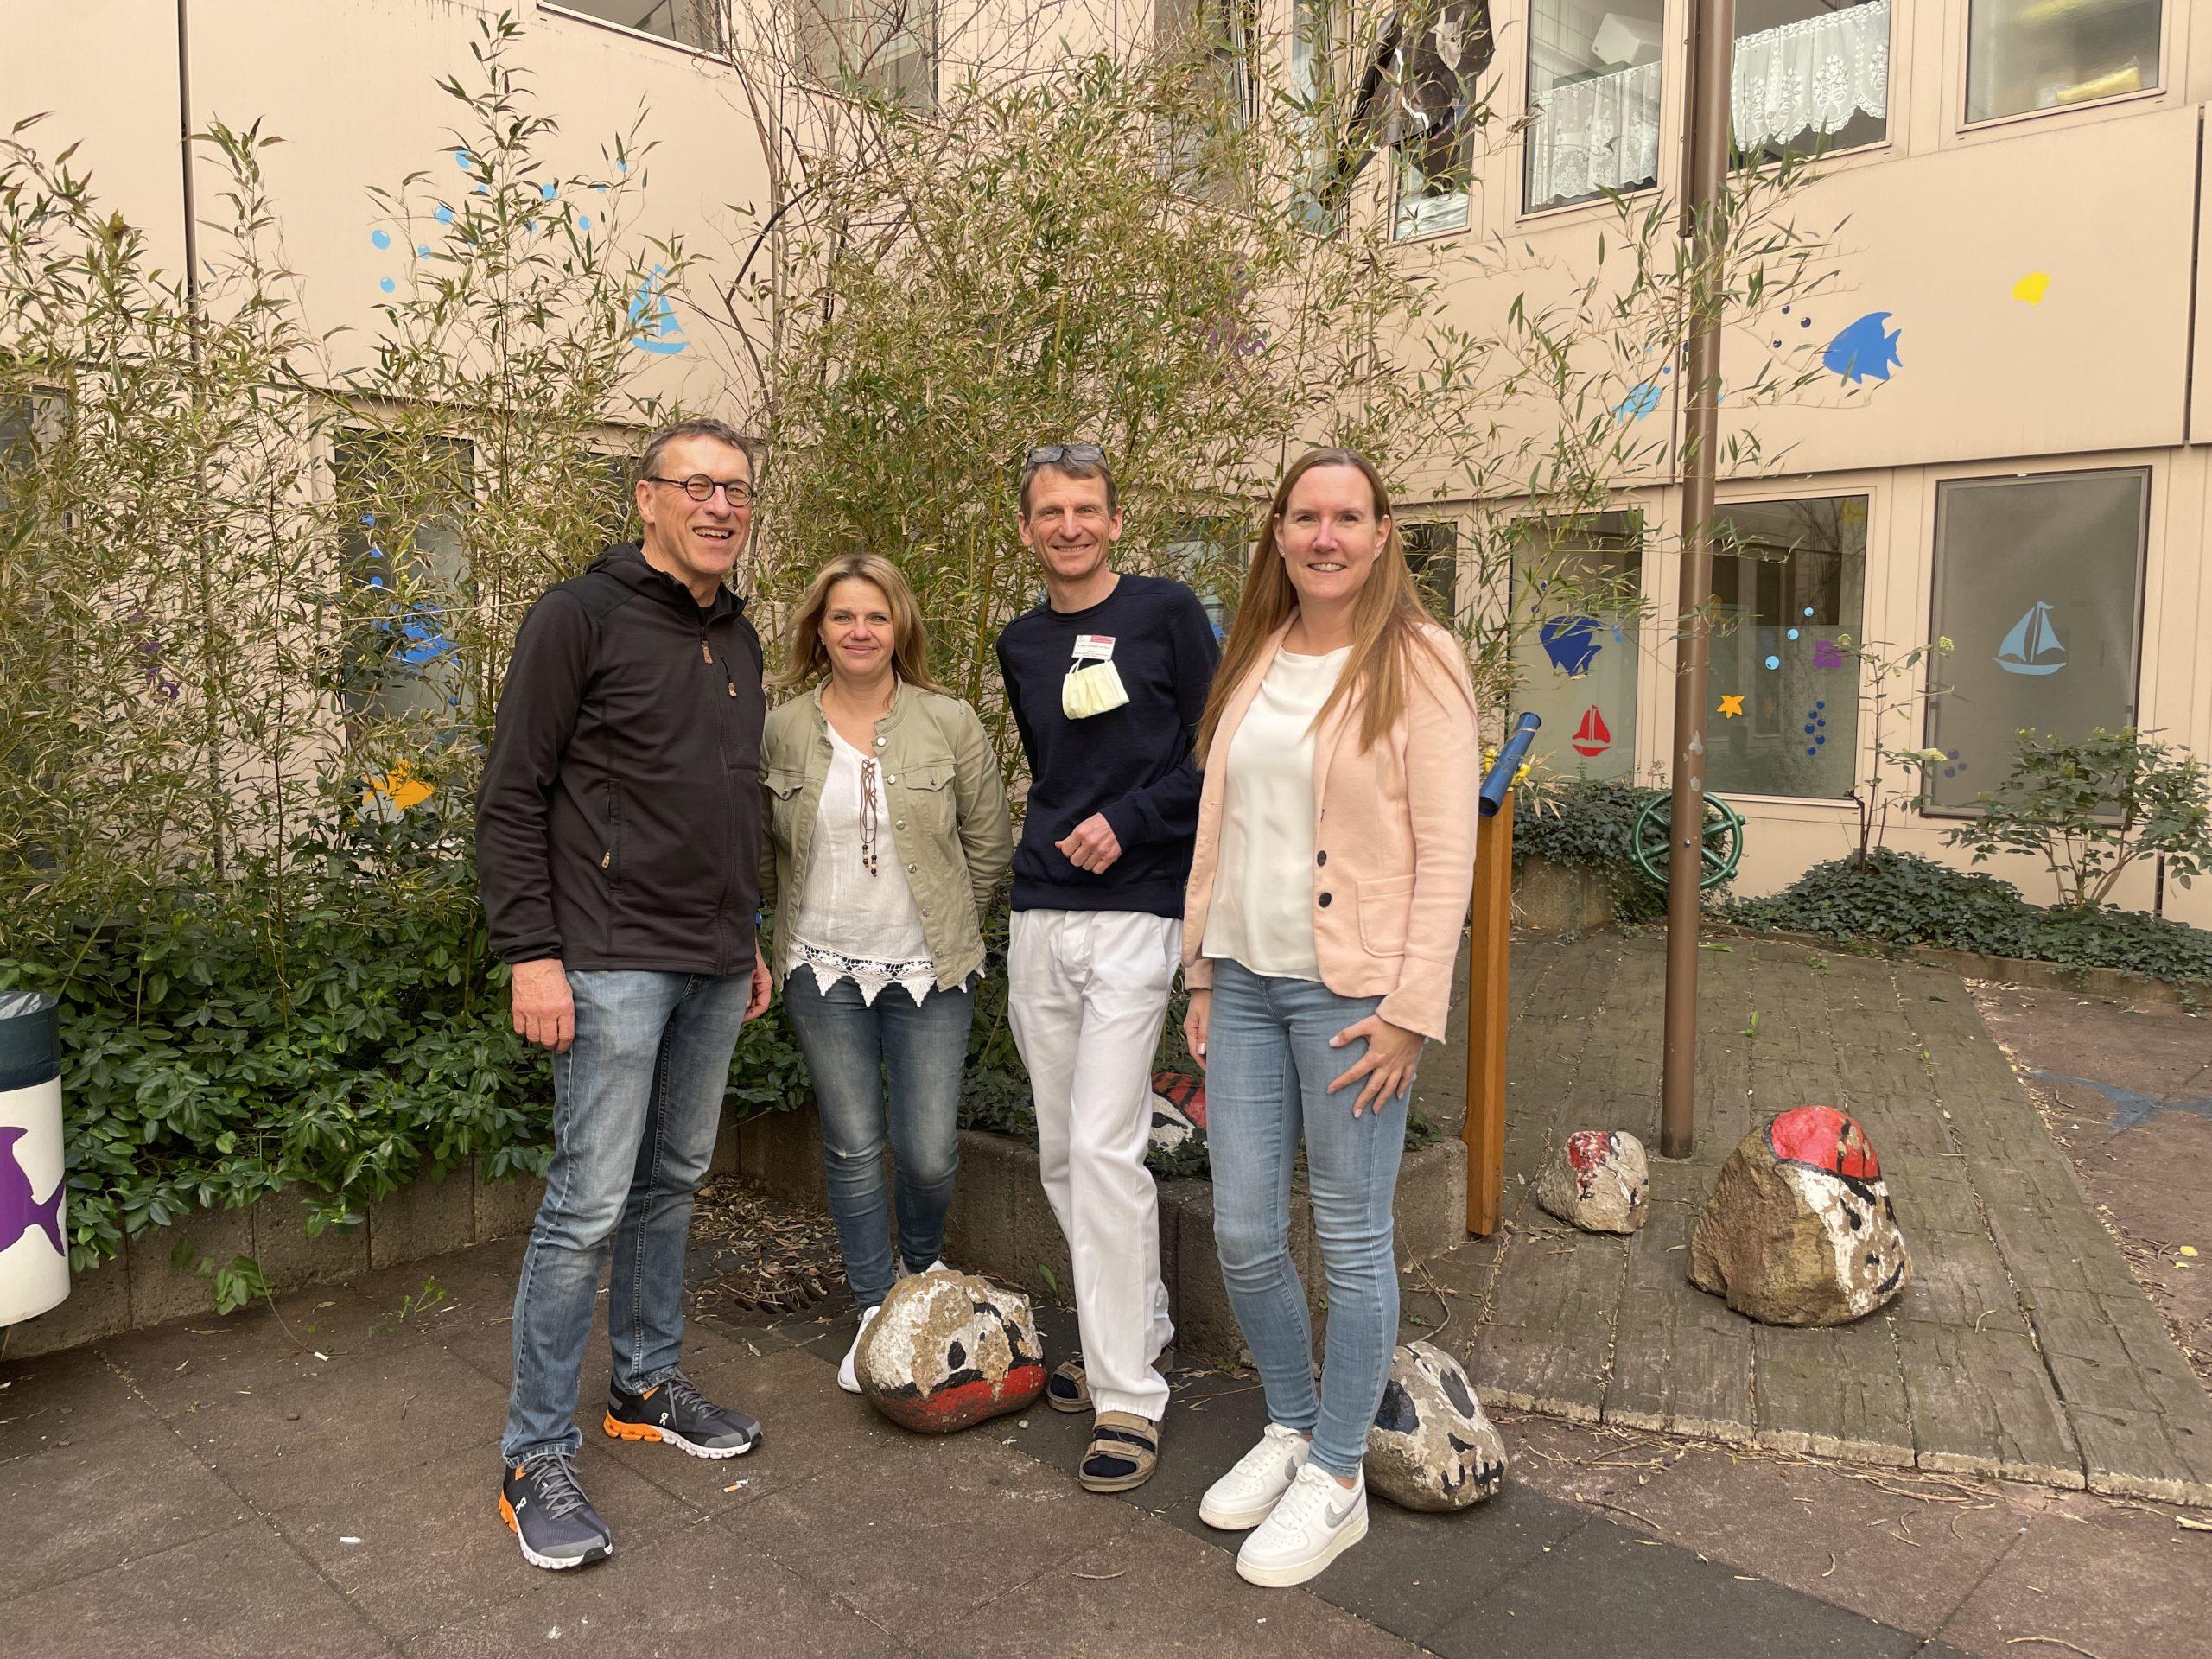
(1087, 996)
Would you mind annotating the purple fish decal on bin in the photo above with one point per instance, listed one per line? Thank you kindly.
(19, 1210)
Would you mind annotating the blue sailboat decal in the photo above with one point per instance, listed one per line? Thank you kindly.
(2033, 647)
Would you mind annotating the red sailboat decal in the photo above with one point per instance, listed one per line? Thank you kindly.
(1592, 736)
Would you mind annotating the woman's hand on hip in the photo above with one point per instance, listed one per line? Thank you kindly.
(1196, 1018)
(1388, 1066)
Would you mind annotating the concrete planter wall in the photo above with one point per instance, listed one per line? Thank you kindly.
(137, 1285)
(1550, 898)
(1002, 1225)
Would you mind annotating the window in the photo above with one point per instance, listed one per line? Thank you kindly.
(1789, 577)
(2046, 54)
(1433, 555)
(1594, 82)
(2037, 585)
(1313, 91)
(1576, 587)
(1437, 93)
(889, 45)
(612, 479)
(1215, 37)
(1810, 76)
(695, 23)
(1206, 555)
(403, 551)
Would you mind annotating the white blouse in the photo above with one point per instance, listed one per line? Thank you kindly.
(849, 924)
(1259, 916)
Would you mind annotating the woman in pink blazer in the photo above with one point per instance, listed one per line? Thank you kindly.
(1330, 884)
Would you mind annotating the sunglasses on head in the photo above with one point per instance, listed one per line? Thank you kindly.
(1048, 454)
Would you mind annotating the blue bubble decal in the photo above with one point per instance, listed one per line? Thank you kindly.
(444, 214)
(379, 239)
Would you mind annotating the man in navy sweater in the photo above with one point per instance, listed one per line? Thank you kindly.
(1107, 680)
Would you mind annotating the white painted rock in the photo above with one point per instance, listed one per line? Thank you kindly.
(1432, 1448)
(949, 1350)
(1799, 1228)
(1597, 1182)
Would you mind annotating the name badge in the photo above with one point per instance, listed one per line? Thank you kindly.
(1094, 647)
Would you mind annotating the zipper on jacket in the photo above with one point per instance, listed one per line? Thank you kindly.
(722, 743)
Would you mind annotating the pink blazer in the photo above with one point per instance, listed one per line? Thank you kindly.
(1394, 852)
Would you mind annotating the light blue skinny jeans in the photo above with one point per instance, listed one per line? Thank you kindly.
(852, 1050)
(1269, 1068)
(637, 1100)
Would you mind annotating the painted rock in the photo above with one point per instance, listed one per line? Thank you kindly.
(1799, 1228)
(1598, 1181)
(1431, 1447)
(1178, 1110)
(950, 1350)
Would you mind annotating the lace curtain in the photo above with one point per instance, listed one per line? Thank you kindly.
(1812, 75)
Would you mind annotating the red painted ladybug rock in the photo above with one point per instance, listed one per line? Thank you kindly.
(1799, 1228)
(1597, 1181)
(950, 1350)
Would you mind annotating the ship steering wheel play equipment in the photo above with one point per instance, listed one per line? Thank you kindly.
(1723, 838)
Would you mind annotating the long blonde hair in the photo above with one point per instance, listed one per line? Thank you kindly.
(1387, 617)
(806, 659)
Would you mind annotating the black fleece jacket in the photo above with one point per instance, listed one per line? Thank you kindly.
(619, 821)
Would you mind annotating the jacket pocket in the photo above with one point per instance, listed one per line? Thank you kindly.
(1385, 909)
(784, 784)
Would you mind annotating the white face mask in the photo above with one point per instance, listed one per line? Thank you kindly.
(1092, 691)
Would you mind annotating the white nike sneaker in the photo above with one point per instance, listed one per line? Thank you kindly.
(1316, 1521)
(849, 1377)
(938, 1266)
(1241, 1499)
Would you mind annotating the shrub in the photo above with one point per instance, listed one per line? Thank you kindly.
(212, 1055)
(1903, 898)
(2090, 807)
(1588, 824)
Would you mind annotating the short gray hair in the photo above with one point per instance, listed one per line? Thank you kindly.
(704, 427)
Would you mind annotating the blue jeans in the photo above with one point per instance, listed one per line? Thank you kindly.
(1269, 1068)
(637, 1100)
(851, 1050)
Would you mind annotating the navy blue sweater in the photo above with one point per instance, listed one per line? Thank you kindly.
(1133, 764)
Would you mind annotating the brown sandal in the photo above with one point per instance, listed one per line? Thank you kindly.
(1124, 1450)
(1067, 1389)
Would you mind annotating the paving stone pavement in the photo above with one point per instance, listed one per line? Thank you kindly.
(2021, 1349)
(318, 1479)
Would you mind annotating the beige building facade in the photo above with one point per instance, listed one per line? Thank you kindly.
(2007, 440)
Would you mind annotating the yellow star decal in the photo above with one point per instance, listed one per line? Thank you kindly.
(1732, 707)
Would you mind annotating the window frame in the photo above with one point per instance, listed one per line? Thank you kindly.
(1674, 110)
(2132, 693)
(1812, 490)
(1648, 515)
(2166, 91)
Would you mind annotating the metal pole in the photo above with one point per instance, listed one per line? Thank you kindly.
(1713, 40)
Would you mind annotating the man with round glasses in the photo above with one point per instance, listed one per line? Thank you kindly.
(617, 843)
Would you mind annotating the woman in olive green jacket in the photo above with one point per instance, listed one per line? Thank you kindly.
(887, 835)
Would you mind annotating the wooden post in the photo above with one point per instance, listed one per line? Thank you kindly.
(1484, 1130)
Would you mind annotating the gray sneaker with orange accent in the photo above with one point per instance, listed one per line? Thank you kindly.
(545, 1505)
(677, 1415)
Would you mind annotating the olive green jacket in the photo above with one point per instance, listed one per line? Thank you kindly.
(949, 824)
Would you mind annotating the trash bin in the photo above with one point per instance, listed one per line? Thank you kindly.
(33, 1250)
